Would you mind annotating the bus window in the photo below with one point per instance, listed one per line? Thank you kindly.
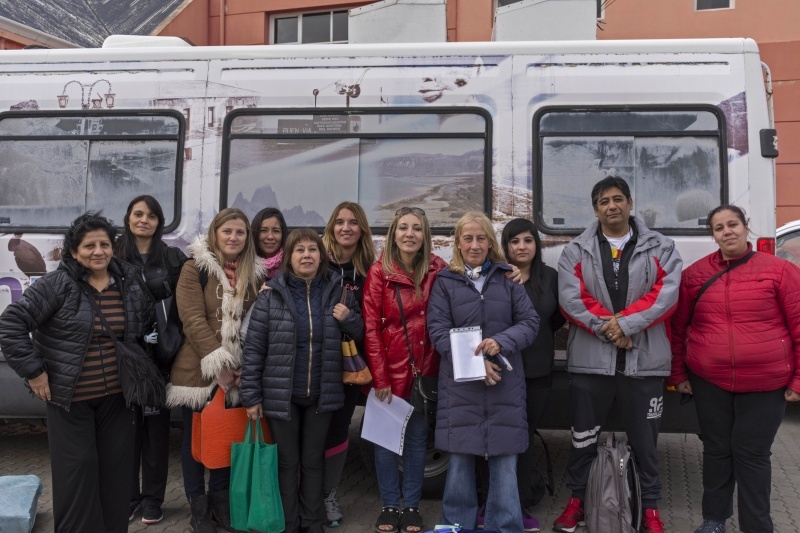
(305, 164)
(54, 166)
(673, 160)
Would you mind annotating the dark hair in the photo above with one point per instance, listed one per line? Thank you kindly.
(735, 209)
(305, 234)
(89, 221)
(609, 183)
(514, 228)
(261, 216)
(125, 246)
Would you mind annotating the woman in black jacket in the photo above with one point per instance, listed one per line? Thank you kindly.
(292, 370)
(140, 244)
(523, 249)
(71, 363)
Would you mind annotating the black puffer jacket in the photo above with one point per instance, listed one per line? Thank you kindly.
(269, 351)
(58, 313)
(162, 278)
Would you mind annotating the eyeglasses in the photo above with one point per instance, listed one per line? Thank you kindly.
(406, 210)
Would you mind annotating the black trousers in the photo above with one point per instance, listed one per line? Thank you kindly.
(151, 455)
(639, 402)
(738, 429)
(338, 438)
(90, 447)
(530, 483)
(301, 466)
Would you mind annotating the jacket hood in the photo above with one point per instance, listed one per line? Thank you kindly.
(492, 267)
(206, 260)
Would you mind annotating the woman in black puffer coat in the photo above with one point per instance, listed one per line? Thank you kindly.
(140, 244)
(71, 364)
(292, 370)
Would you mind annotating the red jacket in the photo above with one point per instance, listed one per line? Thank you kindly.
(745, 334)
(384, 338)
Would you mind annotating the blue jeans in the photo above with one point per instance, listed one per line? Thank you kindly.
(415, 446)
(460, 502)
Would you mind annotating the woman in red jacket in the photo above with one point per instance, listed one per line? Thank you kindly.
(736, 348)
(406, 270)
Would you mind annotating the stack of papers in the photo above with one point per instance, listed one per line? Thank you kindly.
(466, 365)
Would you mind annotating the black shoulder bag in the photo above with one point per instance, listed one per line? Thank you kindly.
(424, 389)
(139, 376)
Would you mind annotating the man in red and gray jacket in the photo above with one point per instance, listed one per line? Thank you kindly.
(617, 283)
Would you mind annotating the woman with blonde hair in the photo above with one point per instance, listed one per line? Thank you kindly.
(398, 349)
(216, 288)
(484, 418)
(348, 240)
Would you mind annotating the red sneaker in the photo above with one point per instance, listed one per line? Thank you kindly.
(652, 522)
(571, 518)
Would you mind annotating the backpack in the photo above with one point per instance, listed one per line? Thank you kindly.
(613, 496)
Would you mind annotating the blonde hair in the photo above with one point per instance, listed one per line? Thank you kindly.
(364, 255)
(391, 253)
(247, 259)
(495, 252)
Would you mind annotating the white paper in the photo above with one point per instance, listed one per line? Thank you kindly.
(466, 365)
(385, 423)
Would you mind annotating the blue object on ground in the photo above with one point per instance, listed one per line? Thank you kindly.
(18, 497)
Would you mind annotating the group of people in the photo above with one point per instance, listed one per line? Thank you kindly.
(264, 310)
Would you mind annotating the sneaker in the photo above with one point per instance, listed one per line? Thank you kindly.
(571, 518)
(529, 522)
(711, 526)
(151, 514)
(135, 506)
(334, 515)
(652, 522)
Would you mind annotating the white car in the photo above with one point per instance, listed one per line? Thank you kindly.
(787, 242)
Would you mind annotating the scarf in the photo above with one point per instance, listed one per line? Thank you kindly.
(273, 264)
(230, 271)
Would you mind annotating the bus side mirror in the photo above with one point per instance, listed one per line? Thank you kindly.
(769, 143)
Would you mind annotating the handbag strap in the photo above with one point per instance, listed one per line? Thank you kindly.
(99, 314)
(714, 278)
(405, 329)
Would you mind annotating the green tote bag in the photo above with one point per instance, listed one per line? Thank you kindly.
(254, 494)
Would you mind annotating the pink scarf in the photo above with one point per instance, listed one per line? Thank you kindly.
(230, 271)
(273, 264)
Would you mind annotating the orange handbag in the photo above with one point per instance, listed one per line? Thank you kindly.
(215, 428)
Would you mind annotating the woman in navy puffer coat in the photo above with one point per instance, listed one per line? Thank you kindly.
(486, 417)
(292, 370)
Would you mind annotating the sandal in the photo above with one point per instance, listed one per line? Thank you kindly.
(389, 517)
(410, 520)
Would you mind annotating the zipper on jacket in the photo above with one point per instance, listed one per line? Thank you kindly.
(730, 329)
(310, 337)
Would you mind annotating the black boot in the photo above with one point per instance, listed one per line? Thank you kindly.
(201, 519)
(221, 510)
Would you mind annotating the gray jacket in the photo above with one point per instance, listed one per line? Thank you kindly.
(654, 276)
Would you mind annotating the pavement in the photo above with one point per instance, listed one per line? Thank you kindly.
(23, 450)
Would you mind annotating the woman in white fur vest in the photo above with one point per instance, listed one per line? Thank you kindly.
(216, 288)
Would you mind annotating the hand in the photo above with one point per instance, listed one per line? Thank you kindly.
(492, 374)
(40, 385)
(264, 287)
(791, 396)
(684, 387)
(340, 311)
(384, 395)
(151, 338)
(515, 275)
(254, 412)
(488, 346)
(226, 379)
(626, 343)
(611, 329)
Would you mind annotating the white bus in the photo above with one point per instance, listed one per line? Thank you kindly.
(513, 129)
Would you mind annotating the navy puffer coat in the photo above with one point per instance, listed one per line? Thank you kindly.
(58, 313)
(270, 348)
(471, 417)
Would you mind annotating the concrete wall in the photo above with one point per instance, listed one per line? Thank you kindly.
(774, 24)
(399, 21)
(547, 20)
